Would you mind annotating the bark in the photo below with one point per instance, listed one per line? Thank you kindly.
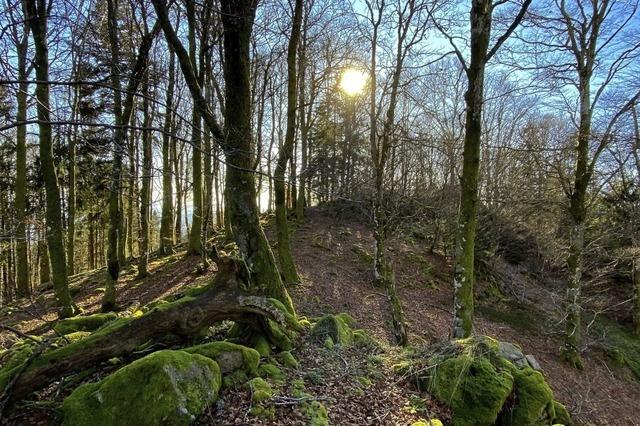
(287, 266)
(636, 296)
(145, 198)
(167, 238)
(224, 298)
(195, 237)
(464, 276)
(122, 112)
(22, 263)
(37, 16)
(304, 131)
(237, 18)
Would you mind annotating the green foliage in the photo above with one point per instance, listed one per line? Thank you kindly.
(87, 323)
(166, 387)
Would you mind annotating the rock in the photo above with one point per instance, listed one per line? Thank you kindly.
(486, 382)
(338, 327)
(510, 351)
(533, 362)
(166, 387)
(229, 356)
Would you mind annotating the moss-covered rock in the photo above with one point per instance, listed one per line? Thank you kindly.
(86, 323)
(260, 389)
(263, 346)
(166, 387)
(229, 356)
(272, 372)
(314, 411)
(287, 359)
(482, 386)
(337, 327)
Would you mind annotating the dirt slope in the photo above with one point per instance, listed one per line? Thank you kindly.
(333, 258)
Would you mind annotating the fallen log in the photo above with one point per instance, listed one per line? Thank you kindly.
(224, 298)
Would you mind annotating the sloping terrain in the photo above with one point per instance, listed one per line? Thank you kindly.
(356, 385)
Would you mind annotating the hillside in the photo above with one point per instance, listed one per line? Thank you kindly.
(359, 386)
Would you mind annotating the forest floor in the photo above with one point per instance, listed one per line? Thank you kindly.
(358, 386)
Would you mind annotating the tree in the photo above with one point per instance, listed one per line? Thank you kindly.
(21, 42)
(463, 269)
(122, 112)
(167, 237)
(37, 13)
(576, 40)
(287, 266)
(237, 18)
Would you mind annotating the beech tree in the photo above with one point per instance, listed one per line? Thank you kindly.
(463, 271)
(36, 14)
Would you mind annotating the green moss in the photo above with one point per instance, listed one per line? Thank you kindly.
(234, 379)
(533, 402)
(618, 342)
(166, 387)
(473, 389)
(338, 327)
(87, 323)
(432, 422)
(313, 410)
(14, 358)
(562, 416)
(263, 413)
(260, 389)
(229, 356)
(287, 359)
(263, 346)
(271, 371)
(328, 343)
(518, 316)
(481, 387)
(363, 255)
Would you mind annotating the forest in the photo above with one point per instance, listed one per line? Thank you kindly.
(319, 212)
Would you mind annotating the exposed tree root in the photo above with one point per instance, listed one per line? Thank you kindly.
(225, 298)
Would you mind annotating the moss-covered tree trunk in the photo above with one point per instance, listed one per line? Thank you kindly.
(463, 273)
(37, 16)
(287, 266)
(240, 192)
(23, 287)
(167, 237)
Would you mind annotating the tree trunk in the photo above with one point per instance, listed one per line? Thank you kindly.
(37, 17)
(287, 266)
(166, 224)
(195, 236)
(463, 273)
(145, 199)
(22, 263)
(577, 216)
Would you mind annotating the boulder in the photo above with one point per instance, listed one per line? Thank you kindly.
(486, 382)
(165, 387)
(229, 356)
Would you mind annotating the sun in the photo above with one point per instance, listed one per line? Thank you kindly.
(352, 81)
